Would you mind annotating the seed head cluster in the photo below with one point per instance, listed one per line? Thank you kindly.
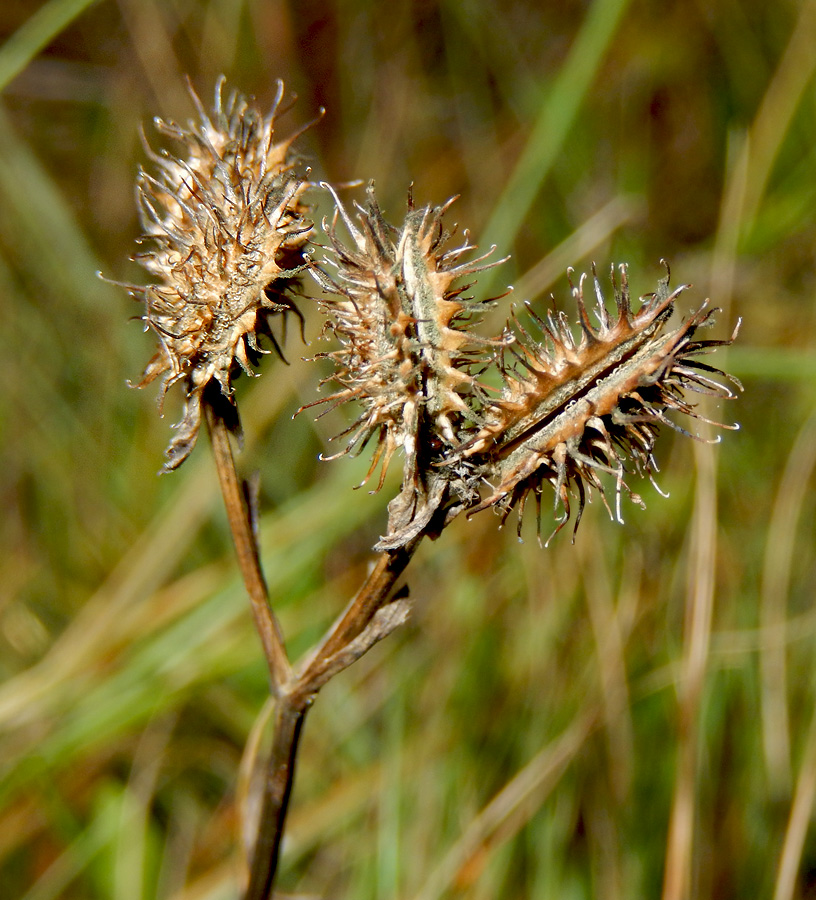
(572, 409)
(569, 411)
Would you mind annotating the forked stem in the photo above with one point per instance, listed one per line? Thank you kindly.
(352, 623)
(352, 634)
(350, 637)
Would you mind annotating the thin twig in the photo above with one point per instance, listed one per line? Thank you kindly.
(387, 619)
(246, 548)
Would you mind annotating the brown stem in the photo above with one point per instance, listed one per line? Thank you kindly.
(346, 641)
(280, 776)
(293, 704)
(362, 609)
(265, 621)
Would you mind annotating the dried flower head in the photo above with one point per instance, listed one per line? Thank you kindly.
(228, 233)
(570, 411)
(406, 352)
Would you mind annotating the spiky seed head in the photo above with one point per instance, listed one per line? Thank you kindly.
(572, 410)
(406, 352)
(228, 232)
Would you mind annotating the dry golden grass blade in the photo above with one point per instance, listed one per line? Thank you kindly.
(749, 175)
(610, 635)
(122, 607)
(799, 821)
(103, 621)
(221, 32)
(578, 245)
(512, 806)
(754, 159)
(134, 831)
(677, 884)
(783, 531)
(248, 790)
(153, 45)
(781, 99)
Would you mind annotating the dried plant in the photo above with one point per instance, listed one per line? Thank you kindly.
(228, 232)
(570, 411)
(229, 235)
(407, 353)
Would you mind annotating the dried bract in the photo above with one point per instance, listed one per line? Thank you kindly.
(406, 353)
(571, 411)
(228, 232)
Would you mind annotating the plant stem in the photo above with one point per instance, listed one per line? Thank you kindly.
(293, 703)
(367, 601)
(293, 694)
(280, 776)
(246, 548)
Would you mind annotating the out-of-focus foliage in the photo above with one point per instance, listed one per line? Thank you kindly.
(537, 728)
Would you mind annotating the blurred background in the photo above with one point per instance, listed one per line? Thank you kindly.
(627, 716)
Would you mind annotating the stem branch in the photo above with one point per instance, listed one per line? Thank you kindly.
(367, 601)
(337, 651)
(351, 635)
(247, 550)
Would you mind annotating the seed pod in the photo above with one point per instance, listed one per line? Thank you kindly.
(228, 233)
(406, 352)
(570, 411)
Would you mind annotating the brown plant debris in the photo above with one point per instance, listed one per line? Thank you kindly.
(571, 411)
(228, 233)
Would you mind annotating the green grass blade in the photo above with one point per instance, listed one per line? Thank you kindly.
(36, 33)
(557, 116)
